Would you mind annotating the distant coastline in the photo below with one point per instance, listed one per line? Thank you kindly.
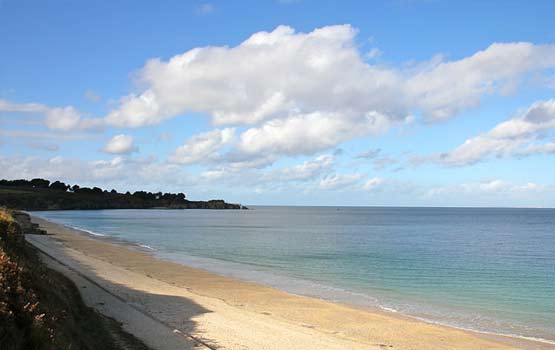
(41, 194)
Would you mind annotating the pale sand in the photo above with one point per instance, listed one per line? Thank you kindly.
(226, 313)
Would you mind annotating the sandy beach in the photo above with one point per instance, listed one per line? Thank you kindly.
(171, 306)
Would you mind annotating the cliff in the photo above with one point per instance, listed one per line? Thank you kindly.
(42, 309)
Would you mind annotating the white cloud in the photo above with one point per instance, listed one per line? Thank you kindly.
(289, 93)
(303, 93)
(369, 154)
(56, 167)
(373, 184)
(379, 162)
(55, 118)
(306, 171)
(307, 92)
(374, 53)
(444, 88)
(7, 106)
(127, 173)
(319, 72)
(107, 169)
(516, 137)
(269, 75)
(205, 9)
(62, 118)
(214, 175)
(308, 134)
(339, 181)
(202, 147)
(120, 144)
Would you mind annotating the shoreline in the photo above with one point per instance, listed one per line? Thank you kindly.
(511, 339)
(425, 333)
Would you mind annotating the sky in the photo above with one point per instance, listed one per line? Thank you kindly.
(393, 103)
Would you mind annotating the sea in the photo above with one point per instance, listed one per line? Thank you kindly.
(489, 270)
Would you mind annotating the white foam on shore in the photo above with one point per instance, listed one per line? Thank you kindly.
(317, 290)
(389, 309)
(474, 330)
(86, 231)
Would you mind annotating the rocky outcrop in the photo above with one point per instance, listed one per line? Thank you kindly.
(27, 226)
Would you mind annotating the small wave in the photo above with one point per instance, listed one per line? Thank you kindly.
(87, 231)
(388, 309)
(477, 330)
(321, 291)
(146, 246)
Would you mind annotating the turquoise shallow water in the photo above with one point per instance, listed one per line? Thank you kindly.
(490, 270)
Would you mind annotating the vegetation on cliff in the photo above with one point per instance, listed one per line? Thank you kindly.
(41, 309)
(41, 194)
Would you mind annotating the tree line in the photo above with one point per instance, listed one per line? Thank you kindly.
(42, 194)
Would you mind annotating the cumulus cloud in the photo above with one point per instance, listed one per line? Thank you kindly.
(288, 93)
(120, 144)
(62, 118)
(311, 72)
(339, 181)
(441, 89)
(301, 93)
(319, 72)
(308, 134)
(107, 169)
(202, 147)
(373, 184)
(516, 137)
(308, 170)
(55, 118)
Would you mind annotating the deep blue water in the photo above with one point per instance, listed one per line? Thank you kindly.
(486, 269)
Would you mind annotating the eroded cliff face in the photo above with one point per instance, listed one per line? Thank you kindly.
(42, 309)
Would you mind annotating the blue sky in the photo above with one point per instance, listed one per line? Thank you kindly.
(400, 102)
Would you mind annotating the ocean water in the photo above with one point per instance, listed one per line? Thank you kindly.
(485, 269)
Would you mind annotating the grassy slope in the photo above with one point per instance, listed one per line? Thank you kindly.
(42, 309)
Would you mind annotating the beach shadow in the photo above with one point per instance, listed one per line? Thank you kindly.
(174, 312)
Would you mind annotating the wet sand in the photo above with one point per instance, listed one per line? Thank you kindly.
(213, 311)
